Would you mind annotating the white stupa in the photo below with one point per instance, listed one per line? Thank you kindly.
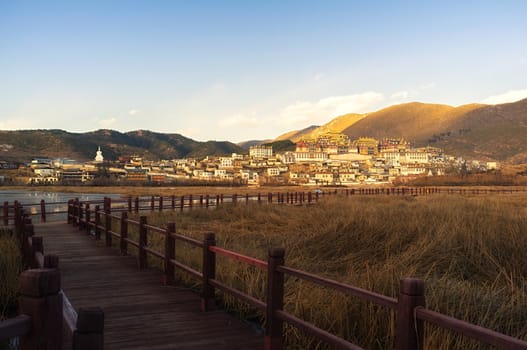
(98, 157)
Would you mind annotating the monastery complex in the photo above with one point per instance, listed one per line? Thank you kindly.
(330, 159)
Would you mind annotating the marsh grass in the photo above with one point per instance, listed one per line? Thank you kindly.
(471, 252)
(10, 267)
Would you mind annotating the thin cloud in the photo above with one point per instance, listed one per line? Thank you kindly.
(106, 123)
(133, 111)
(428, 86)
(509, 96)
(240, 120)
(400, 95)
(308, 113)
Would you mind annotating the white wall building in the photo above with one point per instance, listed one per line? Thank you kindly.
(261, 151)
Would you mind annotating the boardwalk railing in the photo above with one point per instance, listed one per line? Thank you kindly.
(43, 307)
(409, 307)
(41, 210)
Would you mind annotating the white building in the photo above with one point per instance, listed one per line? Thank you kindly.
(99, 157)
(310, 156)
(273, 171)
(226, 162)
(261, 151)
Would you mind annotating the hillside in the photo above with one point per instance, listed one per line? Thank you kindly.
(296, 135)
(417, 122)
(472, 131)
(338, 124)
(27, 144)
(486, 132)
(494, 131)
(248, 144)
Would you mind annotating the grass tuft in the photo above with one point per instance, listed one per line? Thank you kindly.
(10, 267)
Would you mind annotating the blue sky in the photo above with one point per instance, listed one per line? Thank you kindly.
(240, 70)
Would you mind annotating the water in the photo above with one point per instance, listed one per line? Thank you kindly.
(31, 201)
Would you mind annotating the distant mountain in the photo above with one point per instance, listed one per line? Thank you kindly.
(27, 144)
(417, 122)
(338, 124)
(281, 146)
(248, 144)
(486, 132)
(296, 135)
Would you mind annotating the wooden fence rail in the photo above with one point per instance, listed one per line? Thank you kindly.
(42, 305)
(409, 307)
(150, 203)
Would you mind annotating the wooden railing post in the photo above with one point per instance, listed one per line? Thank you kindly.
(97, 222)
(75, 209)
(173, 202)
(88, 218)
(275, 300)
(161, 203)
(123, 244)
(409, 332)
(190, 201)
(181, 203)
(40, 299)
(201, 201)
(136, 204)
(17, 210)
(6, 213)
(107, 224)
(209, 272)
(51, 261)
(170, 253)
(80, 216)
(142, 243)
(88, 334)
(68, 212)
(42, 210)
(152, 203)
(130, 204)
(27, 230)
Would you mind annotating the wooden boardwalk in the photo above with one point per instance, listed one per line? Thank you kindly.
(140, 313)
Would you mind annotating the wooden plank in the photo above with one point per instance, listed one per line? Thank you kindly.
(140, 313)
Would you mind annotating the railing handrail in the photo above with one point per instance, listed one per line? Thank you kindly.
(470, 330)
(206, 200)
(363, 294)
(239, 257)
(15, 327)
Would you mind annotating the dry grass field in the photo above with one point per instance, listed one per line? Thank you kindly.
(470, 250)
(10, 265)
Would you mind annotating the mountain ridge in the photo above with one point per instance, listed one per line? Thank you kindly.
(477, 131)
(56, 143)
